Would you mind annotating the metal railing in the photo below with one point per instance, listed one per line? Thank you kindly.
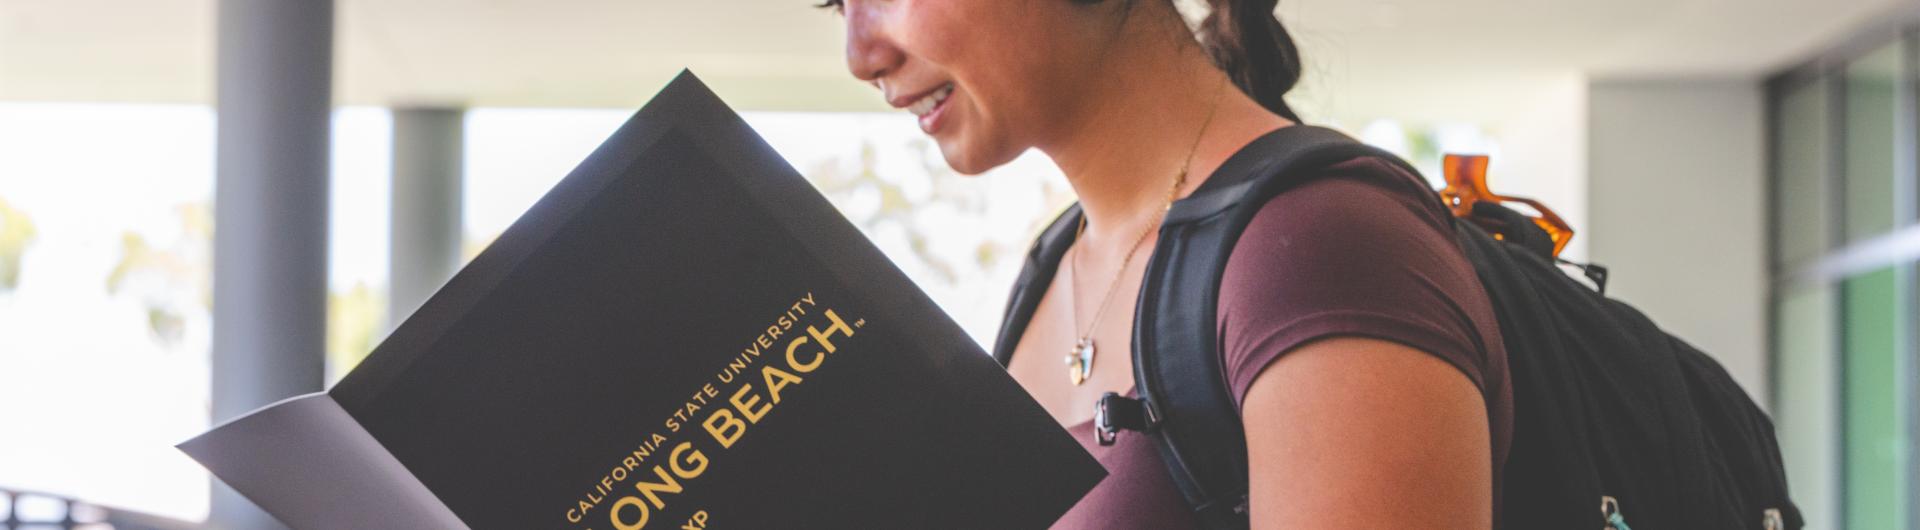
(32, 510)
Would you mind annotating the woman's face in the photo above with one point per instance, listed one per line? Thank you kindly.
(986, 78)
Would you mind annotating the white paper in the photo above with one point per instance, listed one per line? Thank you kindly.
(307, 462)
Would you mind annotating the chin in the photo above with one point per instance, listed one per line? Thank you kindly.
(967, 159)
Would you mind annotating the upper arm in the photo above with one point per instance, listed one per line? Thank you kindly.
(1350, 432)
(1362, 350)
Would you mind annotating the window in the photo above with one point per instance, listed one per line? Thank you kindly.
(1846, 304)
(105, 247)
(1873, 94)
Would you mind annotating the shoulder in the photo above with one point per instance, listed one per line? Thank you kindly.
(1364, 219)
(1363, 250)
(1372, 193)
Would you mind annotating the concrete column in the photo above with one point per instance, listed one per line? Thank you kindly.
(1677, 190)
(425, 252)
(274, 102)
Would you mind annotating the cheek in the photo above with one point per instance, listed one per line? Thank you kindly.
(987, 48)
(997, 47)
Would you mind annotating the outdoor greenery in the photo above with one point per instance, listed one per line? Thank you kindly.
(354, 318)
(16, 232)
(170, 280)
(906, 203)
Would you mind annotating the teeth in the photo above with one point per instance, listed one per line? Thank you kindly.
(926, 104)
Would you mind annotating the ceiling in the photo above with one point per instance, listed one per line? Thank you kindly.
(1403, 56)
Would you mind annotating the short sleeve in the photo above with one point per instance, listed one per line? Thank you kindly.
(1354, 254)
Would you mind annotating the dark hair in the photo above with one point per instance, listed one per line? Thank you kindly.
(1245, 39)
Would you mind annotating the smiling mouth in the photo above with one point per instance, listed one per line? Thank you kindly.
(930, 102)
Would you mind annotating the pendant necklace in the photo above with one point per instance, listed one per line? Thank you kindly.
(1080, 359)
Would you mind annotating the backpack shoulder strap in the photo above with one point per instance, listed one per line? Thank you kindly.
(1185, 403)
(1035, 275)
(1177, 368)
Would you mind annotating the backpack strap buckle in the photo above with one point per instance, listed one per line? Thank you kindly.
(1115, 412)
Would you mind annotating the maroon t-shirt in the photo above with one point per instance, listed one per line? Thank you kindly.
(1357, 253)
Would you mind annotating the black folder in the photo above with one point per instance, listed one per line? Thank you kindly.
(682, 333)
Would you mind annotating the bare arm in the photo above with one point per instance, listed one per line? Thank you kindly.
(1359, 433)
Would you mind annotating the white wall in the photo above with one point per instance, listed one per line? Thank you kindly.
(1676, 209)
(1542, 152)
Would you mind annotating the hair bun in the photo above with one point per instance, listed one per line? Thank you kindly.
(1246, 39)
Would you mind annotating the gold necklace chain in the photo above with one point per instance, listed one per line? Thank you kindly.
(1080, 360)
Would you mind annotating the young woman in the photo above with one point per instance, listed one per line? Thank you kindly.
(1358, 343)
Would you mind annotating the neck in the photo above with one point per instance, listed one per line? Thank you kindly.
(1124, 148)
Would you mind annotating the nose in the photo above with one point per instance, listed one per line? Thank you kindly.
(870, 53)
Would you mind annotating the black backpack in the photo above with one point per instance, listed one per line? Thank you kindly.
(1615, 421)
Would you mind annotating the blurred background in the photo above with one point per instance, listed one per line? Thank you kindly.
(1749, 169)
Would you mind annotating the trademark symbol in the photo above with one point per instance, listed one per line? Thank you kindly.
(860, 322)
